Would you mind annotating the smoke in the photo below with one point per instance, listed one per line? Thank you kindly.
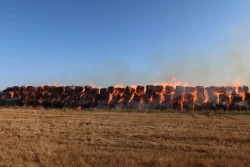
(237, 55)
(212, 67)
(196, 67)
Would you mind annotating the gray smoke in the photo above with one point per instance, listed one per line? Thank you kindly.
(203, 67)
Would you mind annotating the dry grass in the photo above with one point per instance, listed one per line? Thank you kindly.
(83, 138)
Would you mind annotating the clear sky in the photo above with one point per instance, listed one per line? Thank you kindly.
(123, 42)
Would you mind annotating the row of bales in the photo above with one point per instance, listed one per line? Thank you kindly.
(180, 98)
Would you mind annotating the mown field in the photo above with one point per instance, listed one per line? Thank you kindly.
(37, 137)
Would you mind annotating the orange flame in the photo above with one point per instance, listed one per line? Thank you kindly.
(11, 95)
(151, 98)
(237, 84)
(121, 100)
(119, 86)
(206, 96)
(92, 84)
(132, 97)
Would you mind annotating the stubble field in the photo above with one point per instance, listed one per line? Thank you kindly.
(37, 137)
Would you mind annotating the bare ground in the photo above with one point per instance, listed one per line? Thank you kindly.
(100, 138)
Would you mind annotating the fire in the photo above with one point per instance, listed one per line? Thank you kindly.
(182, 101)
(92, 84)
(11, 95)
(99, 90)
(164, 94)
(121, 100)
(206, 96)
(236, 85)
(110, 98)
(218, 96)
(54, 84)
(230, 98)
(133, 94)
(119, 86)
(174, 83)
(151, 99)
(243, 97)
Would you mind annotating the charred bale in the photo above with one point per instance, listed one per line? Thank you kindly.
(2, 102)
(47, 103)
(223, 98)
(139, 89)
(239, 106)
(85, 101)
(52, 89)
(111, 89)
(179, 90)
(10, 95)
(129, 90)
(169, 89)
(167, 97)
(95, 91)
(176, 105)
(69, 89)
(3, 95)
(134, 104)
(150, 89)
(17, 95)
(189, 89)
(32, 95)
(147, 97)
(59, 90)
(243, 89)
(127, 98)
(10, 102)
(23, 88)
(103, 92)
(156, 98)
(247, 98)
(159, 88)
(200, 90)
(137, 97)
(30, 87)
(13, 102)
(212, 98)
(229, 89)
(104, 96)
(65, 96)
(46, 95)
(9, 89)
(39, 95)
(25, 95)
(58, 104)
(44, 88)
(119, 90)
(189, 97)
(55, 95)
(88, 89)
(200, 94)
(16, 88)
(211, 89)
(116, 97)
(177, 97)
(33, 102)
(187, 105)
(78, 89)
(71, 103)
(236, 98)
(221, 89)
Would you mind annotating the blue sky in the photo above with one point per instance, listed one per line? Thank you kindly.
(123, 42)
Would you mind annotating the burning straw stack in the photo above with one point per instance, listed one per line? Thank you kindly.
(157, 97)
